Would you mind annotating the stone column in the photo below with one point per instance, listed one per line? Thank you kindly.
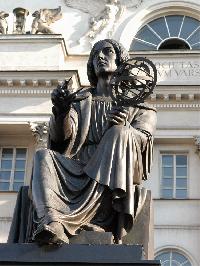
(40, 133)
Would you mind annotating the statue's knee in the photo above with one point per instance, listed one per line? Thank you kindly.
(118, 130)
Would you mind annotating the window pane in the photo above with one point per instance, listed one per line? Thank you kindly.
(195, 37)
(173, 258)
(196, 46)
(6, 164)
(181, 171)
(181, 160)
(7, 153)
(167, 160)
(19, 175)
(178, 257)
(4, 186)
(163, 257)
(5, 175)
(181, 183)
(20, 164)
(139, 46)
(21, 153)
(147, 35)
(181, 193)
(174, 24)
(167, 172)
(159, 26)
(167, 193)
(187, 264)
(16, 186)
(189, 25)
(167, 182)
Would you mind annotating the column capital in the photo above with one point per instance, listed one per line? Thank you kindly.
(40, 133)
(197, 143)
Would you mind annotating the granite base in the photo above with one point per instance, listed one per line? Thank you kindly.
(73, 254)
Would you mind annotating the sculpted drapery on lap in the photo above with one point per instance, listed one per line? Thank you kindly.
(98, 155)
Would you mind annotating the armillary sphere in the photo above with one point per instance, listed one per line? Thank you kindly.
(133, 81)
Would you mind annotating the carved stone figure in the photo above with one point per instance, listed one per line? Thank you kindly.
(20, 20)
(108, 16)
(104, 14)
(43, 19)
(89, 177)
(3, 22)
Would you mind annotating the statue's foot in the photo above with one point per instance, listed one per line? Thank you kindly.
(92, 227)
(52, 233)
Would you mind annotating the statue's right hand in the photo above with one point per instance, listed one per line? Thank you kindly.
(62, 97)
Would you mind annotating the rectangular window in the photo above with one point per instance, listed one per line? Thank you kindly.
(12, 168)
(174, 176)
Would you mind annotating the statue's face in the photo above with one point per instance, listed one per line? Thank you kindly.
(104, 60)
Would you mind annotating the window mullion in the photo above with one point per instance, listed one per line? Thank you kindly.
(0, 156)
(154, 32)
(193, 32)
(174, 177)
(167, 26)
(12, 170)
(181, 27)
(143, 41)
(170, 260)
(187, 177)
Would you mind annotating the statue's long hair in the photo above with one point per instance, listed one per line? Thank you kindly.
(121, 56)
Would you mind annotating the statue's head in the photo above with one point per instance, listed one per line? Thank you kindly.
(3, 15)
(120, 56)
(36, 14)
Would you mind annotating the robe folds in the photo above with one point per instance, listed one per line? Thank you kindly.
(92, 171)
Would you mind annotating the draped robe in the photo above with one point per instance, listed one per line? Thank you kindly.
(93, 172)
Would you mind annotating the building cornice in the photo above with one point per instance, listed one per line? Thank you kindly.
(31, 38)
(34, 82)
(192, 106)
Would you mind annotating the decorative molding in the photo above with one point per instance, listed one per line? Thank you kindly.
(6, 219)
(17, 82)
(176, 105)
(178, 227)
(44, 86)
(31, 91)
(103, 15)
(40, 133)
(176, 96)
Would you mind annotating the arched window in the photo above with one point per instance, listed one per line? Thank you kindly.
(168, 32)
(172, 258)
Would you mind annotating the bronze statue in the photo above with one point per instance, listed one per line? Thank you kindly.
(89, 178)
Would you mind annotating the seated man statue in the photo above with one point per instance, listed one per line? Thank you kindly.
(98, 155)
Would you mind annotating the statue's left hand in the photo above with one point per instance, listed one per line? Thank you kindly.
(117, 116)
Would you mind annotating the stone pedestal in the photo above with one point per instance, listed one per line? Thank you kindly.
(68, 255)
(94, 238)
(142, 231)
